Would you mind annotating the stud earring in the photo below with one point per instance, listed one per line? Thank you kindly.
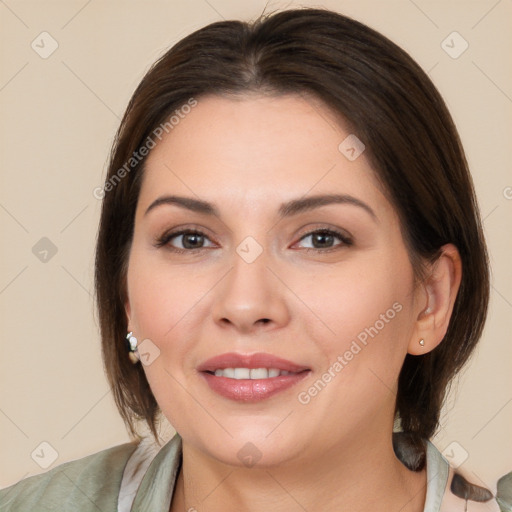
(422, 342)
(132, 347)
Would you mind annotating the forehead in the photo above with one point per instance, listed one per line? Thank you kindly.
(255, 148)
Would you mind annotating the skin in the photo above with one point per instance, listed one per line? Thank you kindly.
(247, 156)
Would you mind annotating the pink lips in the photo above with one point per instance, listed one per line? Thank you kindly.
(251, 390)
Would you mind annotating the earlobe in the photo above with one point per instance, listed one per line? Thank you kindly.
(441, 288)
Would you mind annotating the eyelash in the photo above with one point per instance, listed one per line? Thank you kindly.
(164, 240)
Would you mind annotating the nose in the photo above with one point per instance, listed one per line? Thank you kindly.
(251, 298)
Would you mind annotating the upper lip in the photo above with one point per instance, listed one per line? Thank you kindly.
(251, 361)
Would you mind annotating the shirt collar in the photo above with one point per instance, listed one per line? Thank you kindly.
(157, 487)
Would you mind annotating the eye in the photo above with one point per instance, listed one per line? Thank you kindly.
(186, 240)
(323, 240)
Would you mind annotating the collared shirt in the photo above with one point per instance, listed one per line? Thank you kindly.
(141, 477)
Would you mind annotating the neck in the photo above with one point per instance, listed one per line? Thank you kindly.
(356, 476)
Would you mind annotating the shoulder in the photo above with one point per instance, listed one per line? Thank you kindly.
(89, 483)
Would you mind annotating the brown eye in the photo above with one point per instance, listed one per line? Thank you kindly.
(191, 240)
(326, 239)
(184, 240)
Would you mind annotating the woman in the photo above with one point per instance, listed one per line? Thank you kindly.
(290, 259)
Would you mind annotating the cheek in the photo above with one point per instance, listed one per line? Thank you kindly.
(164, 308)
(368, 312)
(159, 298)
(369, 308)
(167, 305)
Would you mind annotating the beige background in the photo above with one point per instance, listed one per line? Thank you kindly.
(58, 118)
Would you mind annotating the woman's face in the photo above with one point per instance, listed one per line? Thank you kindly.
(300, 268)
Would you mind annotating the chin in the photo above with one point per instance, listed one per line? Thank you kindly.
(253, 447)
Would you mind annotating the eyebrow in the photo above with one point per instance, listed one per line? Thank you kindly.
(288, 209)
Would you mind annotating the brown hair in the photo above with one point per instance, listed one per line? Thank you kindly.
(392, 106)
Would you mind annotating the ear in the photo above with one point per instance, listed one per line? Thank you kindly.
(436, 300)
(127, 310)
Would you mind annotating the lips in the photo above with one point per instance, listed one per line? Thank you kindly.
(250, 378)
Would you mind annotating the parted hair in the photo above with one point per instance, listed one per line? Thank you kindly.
(411, 141)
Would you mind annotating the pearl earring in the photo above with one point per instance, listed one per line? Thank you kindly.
(132, 347)
(422, 342)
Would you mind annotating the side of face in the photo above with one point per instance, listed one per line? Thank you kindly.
(344, 307)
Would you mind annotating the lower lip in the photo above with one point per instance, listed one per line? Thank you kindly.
(249, 390)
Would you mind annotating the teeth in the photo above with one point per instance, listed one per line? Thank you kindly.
(254, 373)
(259, 373)
(229, 372)
(242, 373)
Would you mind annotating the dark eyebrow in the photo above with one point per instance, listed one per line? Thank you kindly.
(194, 205)
(287, 209)
(308, 203)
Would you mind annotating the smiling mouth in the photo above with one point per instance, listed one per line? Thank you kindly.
(250, 373)
(250, 378)
(243, 387)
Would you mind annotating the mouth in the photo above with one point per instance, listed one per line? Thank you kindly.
(250, 378)
(249, 373)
